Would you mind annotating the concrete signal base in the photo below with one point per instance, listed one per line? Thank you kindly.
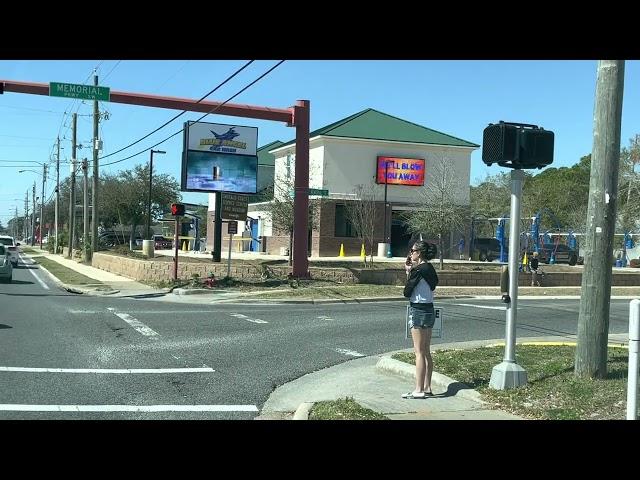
(507, 375)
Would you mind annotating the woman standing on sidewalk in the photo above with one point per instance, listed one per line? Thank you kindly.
(421, 282)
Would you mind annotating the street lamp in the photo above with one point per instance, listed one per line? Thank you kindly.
(149, 196)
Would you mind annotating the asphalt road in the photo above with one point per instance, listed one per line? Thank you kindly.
(68, 356)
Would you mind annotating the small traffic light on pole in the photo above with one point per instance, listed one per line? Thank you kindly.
(177, 209)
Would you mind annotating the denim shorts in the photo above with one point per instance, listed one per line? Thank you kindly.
(421, 315)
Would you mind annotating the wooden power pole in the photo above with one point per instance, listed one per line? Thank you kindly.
(72, 192)
(94, 189)
(593, 321)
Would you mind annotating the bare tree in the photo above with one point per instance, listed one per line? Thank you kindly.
(281, 209)
(439, 211)
(361, 213)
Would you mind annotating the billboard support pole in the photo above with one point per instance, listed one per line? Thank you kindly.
(217, 229)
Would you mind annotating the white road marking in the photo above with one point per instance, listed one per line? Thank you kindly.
(349, 352)
(244, 317)
(136, 324)
(127, 408)
(87, 312)
(324, 317)
(42, 284)
(479, 306)
(107, 370)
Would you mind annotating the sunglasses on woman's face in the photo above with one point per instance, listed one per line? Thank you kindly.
(413, 251)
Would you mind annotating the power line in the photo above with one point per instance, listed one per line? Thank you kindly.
(208, 113)
(32, 109)
(112, 69)
(181, 113)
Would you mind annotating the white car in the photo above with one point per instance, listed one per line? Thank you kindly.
(6, 270)
(12, 248)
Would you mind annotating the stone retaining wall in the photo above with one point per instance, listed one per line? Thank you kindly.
(152, 270)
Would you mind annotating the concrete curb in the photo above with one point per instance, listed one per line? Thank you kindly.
(302, 412)
(336, 300)
(73, 289)
(189, 291)
(388, 364)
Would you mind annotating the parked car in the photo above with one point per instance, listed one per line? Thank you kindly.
(6, 268)
(11, 247)
(488, 248)
(162, 243)
(563, 254)
(111, 239)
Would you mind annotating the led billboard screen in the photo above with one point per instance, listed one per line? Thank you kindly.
(219, 172)
(219, 158)
(400, 171)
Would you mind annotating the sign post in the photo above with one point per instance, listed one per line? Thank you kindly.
(232, 227)
(175, 262)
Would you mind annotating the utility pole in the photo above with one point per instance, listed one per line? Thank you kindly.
(85, 211)
(33, 216)
(72, 194)
(15, 226)
(57, 205)
(25, 224)
(44, 179)
(94, 190)
(593, 320)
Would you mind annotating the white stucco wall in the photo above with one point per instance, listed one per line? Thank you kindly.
(352, 162)
(316, 157)
(340, 164)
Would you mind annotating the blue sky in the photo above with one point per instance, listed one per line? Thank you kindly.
(459, 98)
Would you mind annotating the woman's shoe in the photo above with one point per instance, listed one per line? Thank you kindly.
(414, 395)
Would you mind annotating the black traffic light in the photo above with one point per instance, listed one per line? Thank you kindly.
(177, 209)
(517, 145)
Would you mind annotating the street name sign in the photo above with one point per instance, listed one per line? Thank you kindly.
(313, 191)
(84, 92)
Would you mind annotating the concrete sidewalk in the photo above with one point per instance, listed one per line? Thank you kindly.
(113, 284)
(377, 382)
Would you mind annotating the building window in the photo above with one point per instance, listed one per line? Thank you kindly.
(288, 166)
(343, 227)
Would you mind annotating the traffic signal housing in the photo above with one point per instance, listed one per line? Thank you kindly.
(177, 209)
(517, 145)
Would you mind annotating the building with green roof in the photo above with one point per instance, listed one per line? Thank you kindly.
(351, 152)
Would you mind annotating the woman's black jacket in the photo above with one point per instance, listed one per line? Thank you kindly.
(424, 270)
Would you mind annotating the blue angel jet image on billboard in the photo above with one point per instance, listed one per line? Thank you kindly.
(228, 135)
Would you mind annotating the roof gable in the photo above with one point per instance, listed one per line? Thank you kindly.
(374, 125)
(264, 157)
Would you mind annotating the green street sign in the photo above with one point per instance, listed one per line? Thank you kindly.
(84, 92)
(313, 191)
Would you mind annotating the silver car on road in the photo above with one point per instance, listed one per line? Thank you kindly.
(11, 247)
(6, 269)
